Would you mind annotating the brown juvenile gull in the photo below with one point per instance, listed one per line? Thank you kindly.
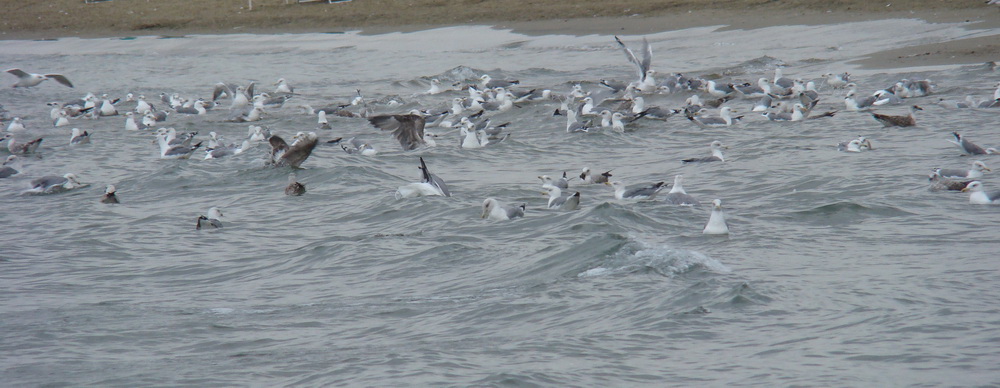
(898, 121)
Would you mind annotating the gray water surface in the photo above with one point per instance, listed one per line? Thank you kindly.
(841, 269)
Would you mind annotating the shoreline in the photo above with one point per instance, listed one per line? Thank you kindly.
(655, 17)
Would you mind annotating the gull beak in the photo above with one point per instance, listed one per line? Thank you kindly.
(965, 189)
(607, 183)
(987, 169)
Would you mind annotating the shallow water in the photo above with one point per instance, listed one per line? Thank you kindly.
(841, 269)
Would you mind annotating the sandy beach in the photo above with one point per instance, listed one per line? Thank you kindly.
(121, 18)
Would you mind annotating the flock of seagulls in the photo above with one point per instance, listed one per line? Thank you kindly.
(615, 106)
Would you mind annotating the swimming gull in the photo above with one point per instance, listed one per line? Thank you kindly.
(587, 177)
(562, 183)
(408, 129)
(978, 168)
(175, 151)
(283, 154)
(109, 195)
(294, 187)
(716, 221)
(358, 146)
(837, 81)
(11, 166)
(677, 195)
(27, 80)
(979, 195)
(557, 200)
(224, 150)
(898, 121)
(724, 119)
(79, 137)
(429, 184)
(212, 219)
(487, 82)
(968, 147)
(16, 125)
(645, 192)
(716, 147)
(198, 108)
(855, 145)
(495, 210)
(18, 148)
(282, 86)
(54, 183)
(938, 183)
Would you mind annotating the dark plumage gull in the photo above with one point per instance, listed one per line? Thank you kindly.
(408, 129)
(10, 167)
(294, 187)
(587, 177)
(898, 121)
(109, 195)
(283, 154)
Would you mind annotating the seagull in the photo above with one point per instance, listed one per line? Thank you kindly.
(212, 219)
(562, 183)
(677, 195)
(109, 195)
(27, 80)
(837, 81)
(16, 125)
(54, 183)
(20, 148)
(357, 146)
(79, 137)
(408, 129)
(587, 177)
(978, 168)
(716, 147)
(646, 83)
(938, 183)
(174, 151)
(283, 154)
(968, 147)
(494, 210)
(294, 187)
(980, 196)
(487, 82)
(429, 184)
(281, 86)
(559, 201)
(10, 167)
(645, 192)
(222, 151)
(898, 121)
(724, 119)
(717, 221)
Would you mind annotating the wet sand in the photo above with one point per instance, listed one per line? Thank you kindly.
(119, 18)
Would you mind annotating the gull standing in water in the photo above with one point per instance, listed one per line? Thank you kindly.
(429, 184)
(212, 219)
(495, 210)
(716, 221)
(27, 80)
